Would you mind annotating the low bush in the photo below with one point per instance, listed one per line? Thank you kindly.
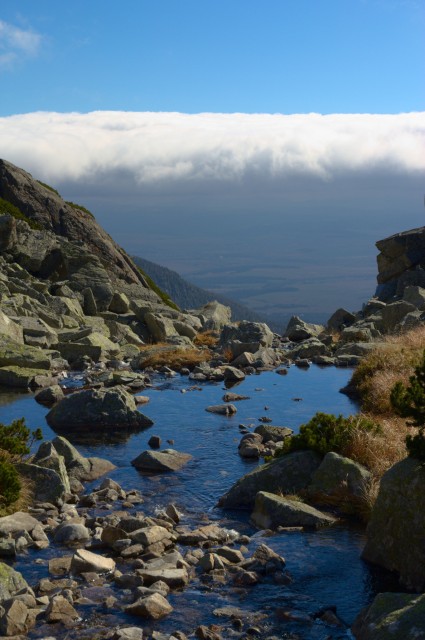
(15, 442)
(7, 207)
(159, 292)
(326, 432)
(47, 186)
(10, 483)
(79, 207)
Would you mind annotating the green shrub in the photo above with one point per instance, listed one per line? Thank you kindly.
(16, 439)
(10, 484)
(409, 402)
(79, 207)
(7, 207)
(15, 442)
(326, 432)
(159, 292)
(47, 186)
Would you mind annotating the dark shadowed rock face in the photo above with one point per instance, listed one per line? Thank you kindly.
(289, 474)
(395, 616)
(48, 209)
(401, 262)
(395, 534)
(105, 410)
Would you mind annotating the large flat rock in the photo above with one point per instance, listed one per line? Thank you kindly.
(271, 511)
(161, 461)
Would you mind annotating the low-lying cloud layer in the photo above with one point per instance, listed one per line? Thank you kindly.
(162, 148)
(215, 196)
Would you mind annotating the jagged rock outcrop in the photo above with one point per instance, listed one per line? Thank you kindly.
(45, 207)
(401, 263)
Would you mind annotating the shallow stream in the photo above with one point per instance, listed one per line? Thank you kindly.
(325, 565)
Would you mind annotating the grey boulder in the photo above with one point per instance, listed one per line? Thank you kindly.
(161, 461)
(271, 511)
(97, 409)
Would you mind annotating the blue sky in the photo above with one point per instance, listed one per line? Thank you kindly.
(276, 56)
(236, 141)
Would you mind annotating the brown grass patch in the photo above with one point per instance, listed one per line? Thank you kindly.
(177, 358)
(206, 339)
(26, 499)
(228, 354)
(379, 451)
(394, 360)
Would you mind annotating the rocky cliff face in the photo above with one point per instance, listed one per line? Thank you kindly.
(68, 292)
(71, 244)
(401, 263)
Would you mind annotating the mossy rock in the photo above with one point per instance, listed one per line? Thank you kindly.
(395, 534)
(288, 474)
(11, 581)
(392, 616)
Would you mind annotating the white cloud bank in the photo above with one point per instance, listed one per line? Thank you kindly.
(156, 149)
(15, 43)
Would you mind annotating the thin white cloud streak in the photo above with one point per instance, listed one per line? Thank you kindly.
(16, 42)
(163, 148)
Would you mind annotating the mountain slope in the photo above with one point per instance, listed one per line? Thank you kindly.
(189, 296)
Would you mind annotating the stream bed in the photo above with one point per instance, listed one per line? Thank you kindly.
(325, 565)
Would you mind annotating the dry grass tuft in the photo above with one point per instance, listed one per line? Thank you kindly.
(26, 498)
(160, 355)
(394, 360)
(379, 451)
(228, 354)
(206, 339)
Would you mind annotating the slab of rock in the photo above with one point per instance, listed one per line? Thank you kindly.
(232, 374)
(24, 378)
(161, 461)
(340, 319)
(392, 616)
(150, 535)
(9, 328)
(19, 521)
(71, 532)
(297, 330)
(214, 315)
(60, 610)
(128, 633)
(11, 582)
(14, 618)
(340, 476)
(84, 560)
(50, 395)
(48, 486)
(288, 474)
(395, 533)
(174, 577)
(222, 409)
(272, 433)
(13, 354)
(234, 397)
(271, 511)
(97, 409)
(153, 607)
